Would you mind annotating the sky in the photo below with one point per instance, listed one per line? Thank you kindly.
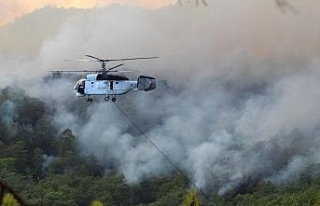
(9, 10)
(238, 86)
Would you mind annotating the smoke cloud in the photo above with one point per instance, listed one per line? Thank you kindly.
(10, 10)
(8, 112)
(237, 93)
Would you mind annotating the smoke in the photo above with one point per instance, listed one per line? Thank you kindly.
(47, 160)
(9, 10)
(240, 98)
(8, 112)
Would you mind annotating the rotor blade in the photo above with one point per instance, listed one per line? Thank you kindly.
(124, 59)
(94, 57)
(127, 59)
(73, 71)
(81, 60)
(121, 71)
(115, 67)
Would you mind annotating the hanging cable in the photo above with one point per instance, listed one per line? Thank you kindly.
(160, 151)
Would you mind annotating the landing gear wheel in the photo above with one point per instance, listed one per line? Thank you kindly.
(106, 98)
(113, 99)
(89, 100)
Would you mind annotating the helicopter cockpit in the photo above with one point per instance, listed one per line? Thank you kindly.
(79, 87)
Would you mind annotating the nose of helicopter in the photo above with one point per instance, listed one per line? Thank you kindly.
(79, 87)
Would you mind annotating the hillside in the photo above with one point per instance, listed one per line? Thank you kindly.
(46, 167)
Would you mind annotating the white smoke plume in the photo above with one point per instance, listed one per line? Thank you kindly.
(240, 98)
(8, 112)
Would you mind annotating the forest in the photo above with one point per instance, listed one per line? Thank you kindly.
(43, 166)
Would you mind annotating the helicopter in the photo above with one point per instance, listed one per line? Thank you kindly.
(102, 82)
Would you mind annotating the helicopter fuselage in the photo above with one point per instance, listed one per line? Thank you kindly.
(111, 85)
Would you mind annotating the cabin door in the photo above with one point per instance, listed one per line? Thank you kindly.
(111, 85)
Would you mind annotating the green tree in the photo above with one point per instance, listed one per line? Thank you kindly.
(9, 200)
(192, 199)
(20, 157)
(30, 111)
(68, 161)
(111, 190)
(96, 203)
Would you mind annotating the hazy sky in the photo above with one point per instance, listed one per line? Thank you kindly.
(9, 10)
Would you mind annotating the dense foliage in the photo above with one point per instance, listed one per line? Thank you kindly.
(45, 167)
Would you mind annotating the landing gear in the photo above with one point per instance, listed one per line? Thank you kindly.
(89, 99)
(113, 98)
